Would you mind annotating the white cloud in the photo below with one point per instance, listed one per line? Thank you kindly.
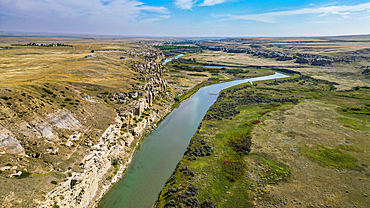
(185, 4)
(188, 4)
(81, 12)
(152, 20)
(271, 17)
(211, 2)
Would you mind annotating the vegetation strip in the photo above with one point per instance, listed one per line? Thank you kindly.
(218, 164)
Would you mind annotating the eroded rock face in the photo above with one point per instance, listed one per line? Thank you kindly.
(64, 120)
(81, 189)
(321, 61)
(9, 143)
(85, 189)
(316, 60)
(150, 68)
(29, 130)
(302, 60)
(45, 127)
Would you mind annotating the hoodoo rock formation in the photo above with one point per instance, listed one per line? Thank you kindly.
(86, 188)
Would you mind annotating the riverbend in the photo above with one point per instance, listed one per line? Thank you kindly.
(160, 152)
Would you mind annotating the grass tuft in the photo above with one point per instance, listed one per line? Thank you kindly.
(331, 158)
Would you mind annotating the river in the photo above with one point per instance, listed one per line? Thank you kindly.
(170, 59)
(161, 151)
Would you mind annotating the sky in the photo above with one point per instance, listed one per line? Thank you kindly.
(187, 18)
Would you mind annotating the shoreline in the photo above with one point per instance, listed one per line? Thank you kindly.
(122, 170)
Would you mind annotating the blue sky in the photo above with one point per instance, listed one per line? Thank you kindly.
(184, 18)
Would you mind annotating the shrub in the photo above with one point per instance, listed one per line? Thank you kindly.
(115, 161)
(177, 98)
(256, 122)
(47, 91)
(241, 143)
(6, 98)
(54, 182)
(208, 204)
(67, 99)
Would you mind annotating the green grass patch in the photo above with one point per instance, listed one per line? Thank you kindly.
(355, 123)
(25, 174)
(274, 172)
(331, 158)
(348, 148)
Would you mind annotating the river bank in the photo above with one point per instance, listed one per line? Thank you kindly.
(161, 150)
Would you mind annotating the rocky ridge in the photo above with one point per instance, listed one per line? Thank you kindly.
(316, 60)
(87, 188)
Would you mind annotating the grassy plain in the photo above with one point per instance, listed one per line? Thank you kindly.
(302, 154)
(312, 152)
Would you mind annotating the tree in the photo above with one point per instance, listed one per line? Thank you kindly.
(92, 51)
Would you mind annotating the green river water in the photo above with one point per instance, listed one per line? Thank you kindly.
(161, 151)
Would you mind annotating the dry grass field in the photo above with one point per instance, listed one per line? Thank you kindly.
(37, 83)
(292, 140)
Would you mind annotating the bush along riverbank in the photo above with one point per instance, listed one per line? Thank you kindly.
(255, 142)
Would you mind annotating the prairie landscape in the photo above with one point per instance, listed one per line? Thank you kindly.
(184, 103)
(300, 141)
(75, 111)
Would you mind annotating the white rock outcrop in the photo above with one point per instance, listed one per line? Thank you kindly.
(9, 143)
